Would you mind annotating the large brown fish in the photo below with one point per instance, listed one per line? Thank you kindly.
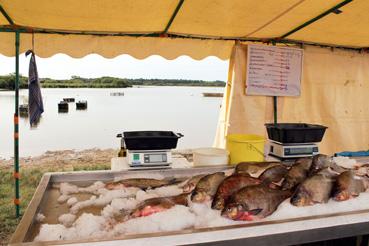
(297, 173)
(274, 174)
(254, 202)
(207, 187)
(142, 183)
(158, 204)
(315, 189)
(348, 185)
(192, 182)
(254, 168)
(230, 185)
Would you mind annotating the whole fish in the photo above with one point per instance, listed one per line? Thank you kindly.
(321, 162)
(297, 173)
(142, 183)
(158, 204)
(207, 187)
(347, 186)
(230, 185)
(315, 189)
(274, 174)
(254, 202)
(254, 168)
(191, 183)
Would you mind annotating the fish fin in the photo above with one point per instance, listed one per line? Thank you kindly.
(255, 211)
(267, 182)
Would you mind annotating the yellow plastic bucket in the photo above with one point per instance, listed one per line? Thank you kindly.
(245, 147)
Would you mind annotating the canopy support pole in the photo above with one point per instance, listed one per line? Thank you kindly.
(333, 9)
(173, 16)
(275, 100)
(275, 109)
(16, 127)
(5, 14)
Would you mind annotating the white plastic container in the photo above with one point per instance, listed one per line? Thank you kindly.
(210, 157)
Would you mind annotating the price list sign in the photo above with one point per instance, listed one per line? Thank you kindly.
(273, 71)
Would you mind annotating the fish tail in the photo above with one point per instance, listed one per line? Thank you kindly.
(182, 199)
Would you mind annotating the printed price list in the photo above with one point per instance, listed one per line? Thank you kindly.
(273, 71)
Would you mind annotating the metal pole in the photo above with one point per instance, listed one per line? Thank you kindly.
(336, 7)
(275, 109)
(179, 5)
(275, 99)
(16, 127)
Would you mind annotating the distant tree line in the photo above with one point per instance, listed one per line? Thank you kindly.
(7, 82)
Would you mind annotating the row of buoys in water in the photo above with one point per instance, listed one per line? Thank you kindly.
(63, 106)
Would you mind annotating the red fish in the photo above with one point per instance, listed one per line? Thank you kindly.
(158, 204)
(230, 185)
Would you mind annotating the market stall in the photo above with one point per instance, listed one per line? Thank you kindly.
(334, 85)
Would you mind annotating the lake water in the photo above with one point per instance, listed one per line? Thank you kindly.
(178, 109)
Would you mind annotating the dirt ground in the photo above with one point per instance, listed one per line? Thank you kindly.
(65, 158)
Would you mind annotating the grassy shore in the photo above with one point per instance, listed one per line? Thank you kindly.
(30, 177)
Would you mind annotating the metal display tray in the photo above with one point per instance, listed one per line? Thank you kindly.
(277, 232)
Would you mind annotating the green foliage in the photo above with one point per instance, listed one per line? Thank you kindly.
(7, 82)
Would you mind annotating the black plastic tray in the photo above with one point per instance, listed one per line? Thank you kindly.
(295, 132)
(150, 140)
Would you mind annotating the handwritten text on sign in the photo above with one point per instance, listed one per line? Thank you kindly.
(273, 71)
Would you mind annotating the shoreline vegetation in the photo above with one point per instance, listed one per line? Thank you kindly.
(7, 82)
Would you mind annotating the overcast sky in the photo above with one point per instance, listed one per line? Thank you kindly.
(61, 66)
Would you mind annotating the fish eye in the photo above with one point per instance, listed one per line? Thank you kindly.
(229, 209)
(239, 207)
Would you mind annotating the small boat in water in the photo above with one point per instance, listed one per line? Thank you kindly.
(63, 107)
(211, 94)
(116, 93)
(68, 99)
(81, 105)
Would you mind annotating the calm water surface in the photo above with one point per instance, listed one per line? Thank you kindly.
(178, 109)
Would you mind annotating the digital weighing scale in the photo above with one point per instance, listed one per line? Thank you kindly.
(149, 158)
(292, 150)
(148, 148)
(294, 140)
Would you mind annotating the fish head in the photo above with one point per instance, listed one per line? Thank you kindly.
(236, 211)
(199, 196)
(341, 195)
(233, 211)
(188, 187)
(301, 198)
(218, 204)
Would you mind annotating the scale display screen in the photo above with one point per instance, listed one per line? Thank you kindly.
(155, 158)
(300, 150)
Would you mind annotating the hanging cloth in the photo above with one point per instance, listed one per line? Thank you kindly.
(35, 104)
